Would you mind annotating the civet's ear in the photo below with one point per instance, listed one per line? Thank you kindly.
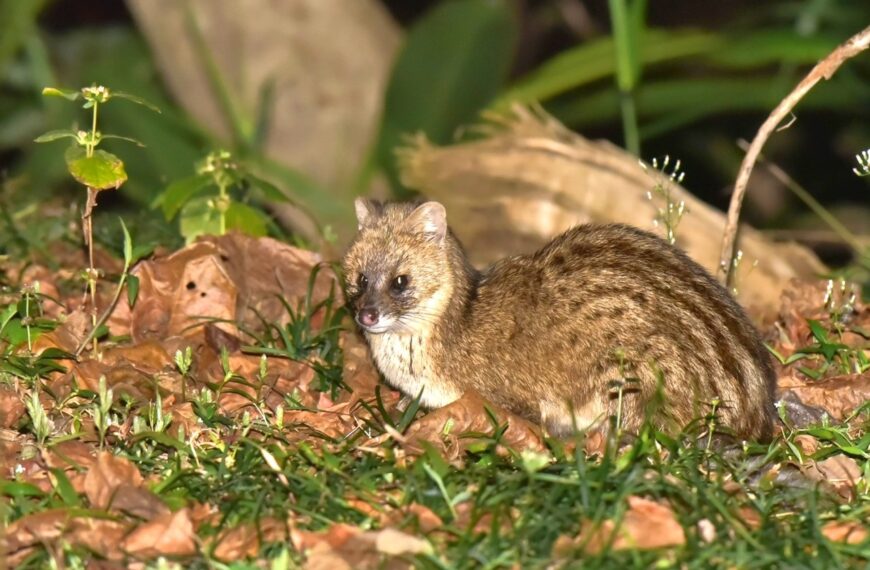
(430, 219)
(367, 211)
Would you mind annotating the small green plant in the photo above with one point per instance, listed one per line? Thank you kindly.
(42, 424)
(101, 410)
(863, 168)
(21, 323)
(96, 169)
(183, 362)
(670, 213)
(214, 200)
(835, 355)
(299, 340)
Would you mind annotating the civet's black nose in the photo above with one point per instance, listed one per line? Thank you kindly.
(367, 316)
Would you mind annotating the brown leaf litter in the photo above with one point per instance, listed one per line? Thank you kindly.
(645, 525)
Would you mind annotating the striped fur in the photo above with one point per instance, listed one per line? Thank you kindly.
(553, 335)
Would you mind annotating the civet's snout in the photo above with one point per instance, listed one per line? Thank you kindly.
(367, 316)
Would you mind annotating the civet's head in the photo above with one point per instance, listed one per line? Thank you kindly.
(398, 267)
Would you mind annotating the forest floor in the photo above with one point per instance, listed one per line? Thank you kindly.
(229, 417)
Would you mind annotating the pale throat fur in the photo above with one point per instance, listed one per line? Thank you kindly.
(407, 358)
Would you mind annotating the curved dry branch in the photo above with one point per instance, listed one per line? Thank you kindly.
(823, 70)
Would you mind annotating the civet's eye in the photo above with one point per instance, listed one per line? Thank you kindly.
(362, 281)
(400, 283)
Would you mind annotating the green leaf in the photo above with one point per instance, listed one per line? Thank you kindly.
(664, 105)
(16, 334)
(8, 313)
(132, 290)
(596, 60)
(128, 245)
(56, 135)
(158, 437)
(101, 171)
(65, 93)
(135, 99)
(774, 47)
(454, 62)
(128, 139)
(246, 219)
(818, 330)
(54, 353)
(64, 488)
(312, 198)
(16, 489)
(626, 37)
(269, 190)
(197, 218)
(180, 192)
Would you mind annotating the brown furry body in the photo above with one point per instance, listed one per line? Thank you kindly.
(551, 336)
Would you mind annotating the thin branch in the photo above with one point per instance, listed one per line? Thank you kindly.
(823, 70)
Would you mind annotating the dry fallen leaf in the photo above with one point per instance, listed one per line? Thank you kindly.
(115, 483)
(442, 427)
(645, 525)
(10, 452)
(807, 444)
(68, 336)
(108, 474)
(138, 501)
(245, 540)
(35, 528)
(100, 536)
(425, 518)
(395, 542)
(171, 534)
(838, 472)
(750, 517)
(346, 547)
(847, 532)
(11, 408)
(838, 395)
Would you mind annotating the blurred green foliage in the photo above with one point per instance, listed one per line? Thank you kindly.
(458, 59)
(454, 62)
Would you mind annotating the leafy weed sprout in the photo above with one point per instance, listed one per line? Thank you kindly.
(41, 424)
(204, 211)
(96, 169)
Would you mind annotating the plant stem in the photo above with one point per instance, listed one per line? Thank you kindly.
(92, 336)
(88, 229)
(627, 70)
(222, 200)
(27, 328)
(630, 130)
(90, 147)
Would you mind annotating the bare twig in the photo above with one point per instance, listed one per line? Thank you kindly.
(823, 70)
(88, 229)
